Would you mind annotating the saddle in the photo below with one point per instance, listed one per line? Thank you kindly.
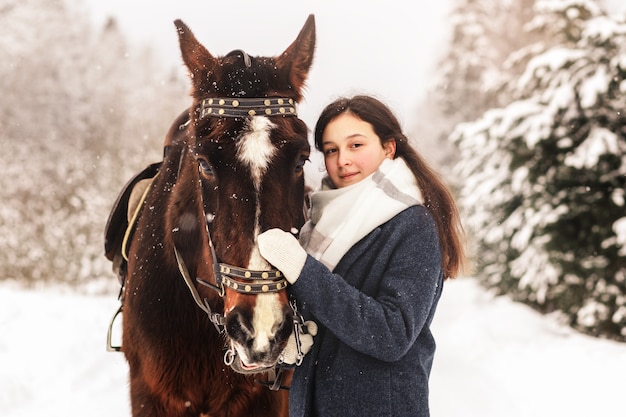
(123, 211)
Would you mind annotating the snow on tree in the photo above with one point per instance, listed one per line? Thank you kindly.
(544, 176)
(71, 137)
(483, 33)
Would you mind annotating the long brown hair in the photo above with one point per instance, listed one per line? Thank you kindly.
(438, 198)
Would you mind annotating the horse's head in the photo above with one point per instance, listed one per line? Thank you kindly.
(242, 171)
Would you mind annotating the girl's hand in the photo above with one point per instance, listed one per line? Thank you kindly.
(283, 250)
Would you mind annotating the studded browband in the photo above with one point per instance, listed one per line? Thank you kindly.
(247, 107)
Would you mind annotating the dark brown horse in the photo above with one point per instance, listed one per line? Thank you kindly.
(197, 292)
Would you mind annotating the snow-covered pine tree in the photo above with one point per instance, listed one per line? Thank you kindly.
(545, 175)
(483, 33)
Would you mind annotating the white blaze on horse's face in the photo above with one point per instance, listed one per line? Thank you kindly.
(255, 150)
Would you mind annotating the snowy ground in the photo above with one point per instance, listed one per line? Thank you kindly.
(495, 359)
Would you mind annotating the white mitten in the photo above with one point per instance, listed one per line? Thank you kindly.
(283, 250)
(290, 353)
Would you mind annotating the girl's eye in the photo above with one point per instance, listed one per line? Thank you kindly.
(329, 151)
(356, 145)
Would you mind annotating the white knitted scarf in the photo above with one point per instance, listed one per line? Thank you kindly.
(340, 217)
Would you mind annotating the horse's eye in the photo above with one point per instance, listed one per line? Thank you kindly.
(300, 164)
(205, 167)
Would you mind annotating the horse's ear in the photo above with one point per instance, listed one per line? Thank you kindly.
(298, 57)
(196, 57)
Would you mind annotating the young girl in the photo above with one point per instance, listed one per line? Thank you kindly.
(384, 233)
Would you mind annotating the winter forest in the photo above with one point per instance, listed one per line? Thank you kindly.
(529, 125)
(68, 111)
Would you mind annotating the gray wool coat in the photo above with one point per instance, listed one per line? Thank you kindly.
(374, 349)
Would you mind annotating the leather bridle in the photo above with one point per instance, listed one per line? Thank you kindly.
(242, 280)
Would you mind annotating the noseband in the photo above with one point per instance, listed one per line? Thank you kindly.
(242, 280)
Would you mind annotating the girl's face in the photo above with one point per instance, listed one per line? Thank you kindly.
(352, 150)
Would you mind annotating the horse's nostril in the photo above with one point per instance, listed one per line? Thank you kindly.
(284, 329)
(238, 327)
